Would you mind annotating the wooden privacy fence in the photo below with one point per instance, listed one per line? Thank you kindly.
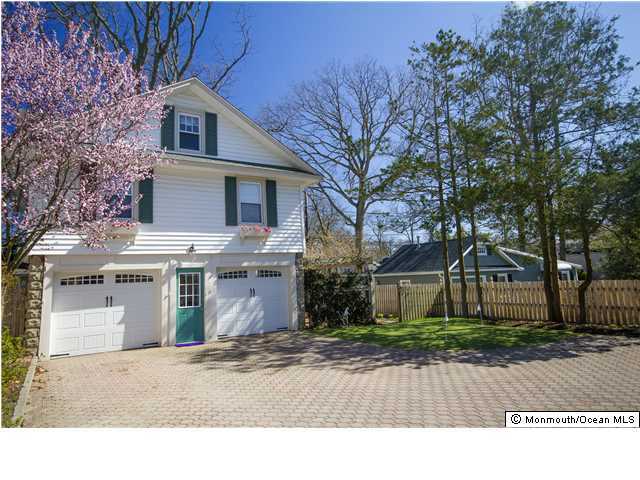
(609, 302)
(387, 299)
(14, 307)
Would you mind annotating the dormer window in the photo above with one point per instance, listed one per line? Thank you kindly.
(482, 250)
(189, 132)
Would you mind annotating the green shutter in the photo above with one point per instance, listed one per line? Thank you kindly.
(145, 205)
(230, 201)
(272, 204)
(211, 133)
(167, 129)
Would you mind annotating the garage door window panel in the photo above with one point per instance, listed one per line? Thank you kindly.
(82, 280)
(133, 278)
(269, 274)
(235, 275)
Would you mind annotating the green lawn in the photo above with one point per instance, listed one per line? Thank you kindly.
(430, 334)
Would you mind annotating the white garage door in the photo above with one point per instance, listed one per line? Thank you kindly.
(252, 301)
(100, 312)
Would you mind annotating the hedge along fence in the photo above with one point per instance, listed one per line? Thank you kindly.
(334, 300)
(609, 302)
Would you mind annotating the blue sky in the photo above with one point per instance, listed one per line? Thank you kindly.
(292, 40)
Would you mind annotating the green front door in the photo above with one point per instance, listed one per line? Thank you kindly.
(190, 302)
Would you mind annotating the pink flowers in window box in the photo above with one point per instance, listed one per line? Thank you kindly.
(256, 231)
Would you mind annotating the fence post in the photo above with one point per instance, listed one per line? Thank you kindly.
(400, 313)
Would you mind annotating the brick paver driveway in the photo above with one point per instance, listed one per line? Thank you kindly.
(293, 379)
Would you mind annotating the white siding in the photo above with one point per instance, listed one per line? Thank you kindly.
(189, 209)
(235, 142)
(189, 201)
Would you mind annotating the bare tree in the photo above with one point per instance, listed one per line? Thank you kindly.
(345, 123)
(324, 220)
(161, 37)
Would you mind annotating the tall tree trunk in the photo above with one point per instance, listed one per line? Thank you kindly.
(476, 263)
(442, 213)
(558, 166)
(359, 230)
(553, 261)
(584, 286)
(546, 269)
(306, 217)
(474, 232)
(562, 241)
(456, 209)
(521, 227)
(519, 206)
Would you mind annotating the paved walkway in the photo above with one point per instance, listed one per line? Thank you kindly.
(299, 380)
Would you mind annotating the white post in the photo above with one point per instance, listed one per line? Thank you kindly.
(446, 313)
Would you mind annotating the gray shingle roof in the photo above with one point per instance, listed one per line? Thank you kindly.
(425, 257)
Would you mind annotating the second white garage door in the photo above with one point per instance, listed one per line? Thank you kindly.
(251, 301)
(100, 312)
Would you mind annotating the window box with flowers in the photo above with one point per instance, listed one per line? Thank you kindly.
(254, 231)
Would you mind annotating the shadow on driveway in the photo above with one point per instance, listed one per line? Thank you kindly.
(277, 351)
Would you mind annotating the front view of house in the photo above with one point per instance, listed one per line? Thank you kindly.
(216, 252)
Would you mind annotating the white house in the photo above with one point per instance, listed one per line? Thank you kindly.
(217, 251)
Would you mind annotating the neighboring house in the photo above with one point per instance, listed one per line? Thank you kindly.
(598, 260)
(422, 263)
(217, 251)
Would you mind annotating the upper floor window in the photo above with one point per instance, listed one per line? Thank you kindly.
(482, 250)
(127, 207)
(189, 132)
(250, 202)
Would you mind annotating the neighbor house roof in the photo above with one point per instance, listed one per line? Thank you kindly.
(423, 257)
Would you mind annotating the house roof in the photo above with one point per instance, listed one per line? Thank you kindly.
(255, 128)
(423, 257)
(562, 264)
(427, 258)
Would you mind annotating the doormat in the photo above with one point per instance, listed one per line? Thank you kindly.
(189, 344)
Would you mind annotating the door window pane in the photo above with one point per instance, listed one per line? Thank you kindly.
(189, 290)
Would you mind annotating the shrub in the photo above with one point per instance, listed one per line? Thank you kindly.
(334, 300)
(14, 369)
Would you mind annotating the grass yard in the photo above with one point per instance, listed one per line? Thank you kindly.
(461, 334)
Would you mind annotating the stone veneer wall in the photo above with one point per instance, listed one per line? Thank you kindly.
(300, 290)
(34, 303)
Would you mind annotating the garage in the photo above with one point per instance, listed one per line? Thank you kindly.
(103, 311)
(251, 300)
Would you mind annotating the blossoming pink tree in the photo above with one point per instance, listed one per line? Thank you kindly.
(76, 120)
